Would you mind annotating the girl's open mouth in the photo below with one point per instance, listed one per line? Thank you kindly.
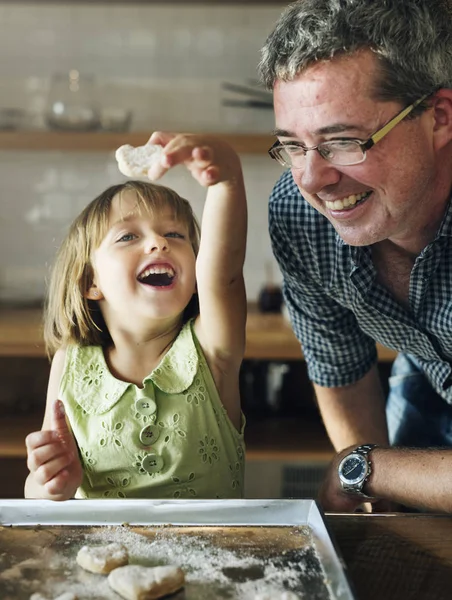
(157, 276)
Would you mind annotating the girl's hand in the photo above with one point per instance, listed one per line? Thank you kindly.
(53, 459)
(209, 160)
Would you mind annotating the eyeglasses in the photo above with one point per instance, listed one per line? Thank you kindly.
(343, 152)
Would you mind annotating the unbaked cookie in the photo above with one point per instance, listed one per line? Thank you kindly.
(136, 162)
(102, 559)
(135, 582)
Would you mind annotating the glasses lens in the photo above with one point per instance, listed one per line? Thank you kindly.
(342, 152)
(291, 156)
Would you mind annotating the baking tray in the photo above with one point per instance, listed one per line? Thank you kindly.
(233, 549)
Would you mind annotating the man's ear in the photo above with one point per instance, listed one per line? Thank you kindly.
(442, 105)
(93, 293)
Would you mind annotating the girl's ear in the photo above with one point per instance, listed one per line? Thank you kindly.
(93, 293)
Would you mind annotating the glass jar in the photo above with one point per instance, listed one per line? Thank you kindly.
(72, 102)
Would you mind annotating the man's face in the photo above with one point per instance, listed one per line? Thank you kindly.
(391, 194)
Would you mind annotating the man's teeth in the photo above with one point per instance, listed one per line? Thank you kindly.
(157, 271)
(346, 202)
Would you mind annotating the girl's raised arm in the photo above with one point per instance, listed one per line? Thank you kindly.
(219, 266)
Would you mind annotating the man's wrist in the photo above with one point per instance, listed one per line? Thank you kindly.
(355, 469)
(371, 486)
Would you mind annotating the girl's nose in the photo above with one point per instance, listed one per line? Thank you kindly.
(157, 243)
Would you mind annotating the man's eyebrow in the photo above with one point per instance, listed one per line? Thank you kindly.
(328, 129)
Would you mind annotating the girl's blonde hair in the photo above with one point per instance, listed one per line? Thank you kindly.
(69, 317)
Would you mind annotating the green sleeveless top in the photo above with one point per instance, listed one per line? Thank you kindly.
(170, 439)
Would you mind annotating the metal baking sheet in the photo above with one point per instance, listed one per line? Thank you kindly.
(234, 549)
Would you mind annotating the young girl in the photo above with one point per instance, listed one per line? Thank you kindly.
(148, 395)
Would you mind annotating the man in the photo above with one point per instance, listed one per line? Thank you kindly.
(361, 224)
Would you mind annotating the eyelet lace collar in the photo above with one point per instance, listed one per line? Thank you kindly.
(96, 390)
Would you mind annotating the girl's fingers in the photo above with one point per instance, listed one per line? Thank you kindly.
(203, 154)
(59, 425)
(161, 138)
(57, 485)
(187, 149)
(211, 175)
(43, 454)
(156, 171)
(50, 469)
(58, 419)
(39, 438)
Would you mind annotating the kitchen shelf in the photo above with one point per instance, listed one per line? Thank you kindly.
(107, 141)
(268, 336)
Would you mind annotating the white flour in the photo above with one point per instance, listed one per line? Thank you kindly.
(216, 565)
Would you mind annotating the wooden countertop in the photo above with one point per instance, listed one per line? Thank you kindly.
(268, 336)
(396, 556)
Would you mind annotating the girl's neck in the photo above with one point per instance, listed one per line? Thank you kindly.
(131, 358)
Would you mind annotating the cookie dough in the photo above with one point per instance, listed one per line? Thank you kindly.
(135, 582)
(102, 559)
(136, 161)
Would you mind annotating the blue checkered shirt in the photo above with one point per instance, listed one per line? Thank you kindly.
(337, 308)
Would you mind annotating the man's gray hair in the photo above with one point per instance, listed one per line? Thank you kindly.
(411, 38)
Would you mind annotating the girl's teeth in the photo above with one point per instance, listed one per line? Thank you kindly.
(156, 271)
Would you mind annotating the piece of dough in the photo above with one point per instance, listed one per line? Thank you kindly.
(102, 559)
(136, 162)
(135, 582)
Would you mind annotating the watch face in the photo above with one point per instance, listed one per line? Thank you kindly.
(353, 469)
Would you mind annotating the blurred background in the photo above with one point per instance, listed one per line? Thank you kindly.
(99, 71)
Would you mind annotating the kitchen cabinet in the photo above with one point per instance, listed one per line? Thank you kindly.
(106, 141)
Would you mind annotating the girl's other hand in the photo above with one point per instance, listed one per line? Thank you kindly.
(53, 458)
(209, 159)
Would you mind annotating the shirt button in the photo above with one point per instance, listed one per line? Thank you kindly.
(149, 435)
(145, 406)
(152, 463)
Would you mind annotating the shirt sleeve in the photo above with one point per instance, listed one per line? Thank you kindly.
(336, 350)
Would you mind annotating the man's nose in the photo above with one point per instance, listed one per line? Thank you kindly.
(156, 243)
(316, 174)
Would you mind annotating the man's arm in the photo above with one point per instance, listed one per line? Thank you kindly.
(355, 413)
(420, 478)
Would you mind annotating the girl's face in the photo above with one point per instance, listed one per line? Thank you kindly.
(144, 267)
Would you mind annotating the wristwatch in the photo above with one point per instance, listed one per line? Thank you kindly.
(355, 469)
